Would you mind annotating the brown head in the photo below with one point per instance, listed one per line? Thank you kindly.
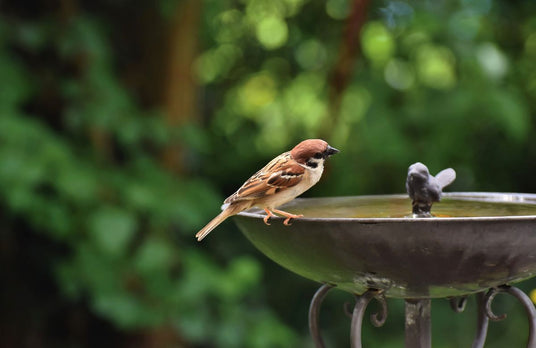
(312, 151)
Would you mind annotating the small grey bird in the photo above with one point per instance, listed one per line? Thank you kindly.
(425, 189)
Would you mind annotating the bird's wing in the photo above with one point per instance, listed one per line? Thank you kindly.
(281, 173)
(446, 177)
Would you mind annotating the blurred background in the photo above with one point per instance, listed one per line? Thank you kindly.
(124, 125)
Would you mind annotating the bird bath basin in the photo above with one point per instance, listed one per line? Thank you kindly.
(372, 246)
(476, 241)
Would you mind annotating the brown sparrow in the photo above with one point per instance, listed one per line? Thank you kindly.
(280, 181)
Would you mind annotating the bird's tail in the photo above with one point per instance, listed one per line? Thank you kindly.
(214, 223)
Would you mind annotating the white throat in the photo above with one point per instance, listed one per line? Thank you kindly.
(315, 169)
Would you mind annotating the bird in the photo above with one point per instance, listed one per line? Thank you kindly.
(284, 178)
(425, 189)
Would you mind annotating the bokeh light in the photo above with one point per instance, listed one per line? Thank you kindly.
(435, 66)
(399, 74)
(492, 60)
(311, 54)
(338, 9)
(272, 32)
(378, 43)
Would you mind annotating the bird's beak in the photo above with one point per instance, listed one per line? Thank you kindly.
(330, 151)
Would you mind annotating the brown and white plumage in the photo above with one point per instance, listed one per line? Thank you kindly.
(280, 181)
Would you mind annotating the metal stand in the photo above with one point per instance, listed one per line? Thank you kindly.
(418, 323)
(418, 314)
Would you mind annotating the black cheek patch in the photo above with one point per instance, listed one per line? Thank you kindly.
(312, 164)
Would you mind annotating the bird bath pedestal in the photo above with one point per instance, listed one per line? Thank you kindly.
(371, 246)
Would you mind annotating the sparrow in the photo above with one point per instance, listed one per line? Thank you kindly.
(425, 189)
(280, 181)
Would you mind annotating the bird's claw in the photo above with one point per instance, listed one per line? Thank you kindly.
(266, 219)
(287, 220)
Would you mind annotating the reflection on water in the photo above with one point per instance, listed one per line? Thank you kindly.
(396, 206)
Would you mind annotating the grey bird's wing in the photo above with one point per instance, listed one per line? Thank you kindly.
(446, 177)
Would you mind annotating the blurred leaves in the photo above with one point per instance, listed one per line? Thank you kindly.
(112, 229)
(97, 187)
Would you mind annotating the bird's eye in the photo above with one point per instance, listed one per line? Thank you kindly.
(318, 155)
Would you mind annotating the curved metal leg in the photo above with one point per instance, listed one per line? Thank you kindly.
(531, 313)
(525, 301)
(458, 303)
(314, 311)
(377, 319)
(482, 321)
(418, 316)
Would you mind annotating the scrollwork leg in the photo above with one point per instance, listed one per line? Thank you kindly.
(482, 321)
(314, 311)
(531, 313)
(458, 303)
(357, 318)
(418, 328)
(377, 319)
(362, 301)
(525, 301)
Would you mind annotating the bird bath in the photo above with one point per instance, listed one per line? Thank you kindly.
(371, 246)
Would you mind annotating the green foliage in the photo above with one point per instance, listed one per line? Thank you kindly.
(128, 223)
(445, 83)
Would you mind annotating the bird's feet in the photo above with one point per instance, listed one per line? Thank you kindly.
(288, 216)
(269, 214)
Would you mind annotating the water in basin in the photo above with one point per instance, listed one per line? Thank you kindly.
(394, 206)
